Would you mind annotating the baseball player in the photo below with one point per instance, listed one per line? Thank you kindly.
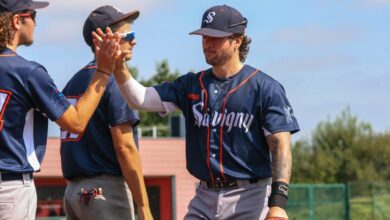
(28, 97)
(102, 164)
(238, 124)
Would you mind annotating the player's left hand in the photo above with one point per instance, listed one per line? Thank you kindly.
(106, 49)
(276, 213)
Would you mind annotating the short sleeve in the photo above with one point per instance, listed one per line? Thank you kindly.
(278, 113)
(175, 91)
(45, 95)
(118, 110)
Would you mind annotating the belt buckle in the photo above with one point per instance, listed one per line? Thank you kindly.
(231, 184)
(218, 185)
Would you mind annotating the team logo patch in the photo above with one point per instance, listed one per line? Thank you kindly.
(289, 114)
(192, 96)
(209, 17)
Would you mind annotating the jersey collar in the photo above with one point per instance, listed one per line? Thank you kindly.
(7, 53)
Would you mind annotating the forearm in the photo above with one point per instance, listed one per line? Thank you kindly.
(88, 102)
(144, 98)
(280, 147)
(130, 163)
(76, 118)
(122, 73)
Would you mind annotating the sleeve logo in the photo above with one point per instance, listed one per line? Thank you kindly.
(289, 114)
(5, 96)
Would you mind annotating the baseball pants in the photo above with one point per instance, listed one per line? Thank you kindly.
(113, 202)
(18, 199)
(246, 202)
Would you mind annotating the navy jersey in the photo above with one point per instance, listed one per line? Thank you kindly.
(227, 121)
(92, 152)
(28, 97)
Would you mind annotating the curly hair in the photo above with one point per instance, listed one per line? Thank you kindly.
(6, 30)
(244, 48)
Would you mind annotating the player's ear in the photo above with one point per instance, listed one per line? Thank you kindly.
(238, 41)
(16, 22)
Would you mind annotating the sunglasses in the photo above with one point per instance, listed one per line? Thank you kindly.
(32, 15)
(128, 36)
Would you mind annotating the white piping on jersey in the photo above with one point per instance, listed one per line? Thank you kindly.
(28, 138)
(230, 120)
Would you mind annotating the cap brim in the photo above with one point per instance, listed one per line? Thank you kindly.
(131, 16)
(211, 33)
(38, 5)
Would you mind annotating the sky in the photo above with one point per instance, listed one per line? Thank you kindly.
(329, 55)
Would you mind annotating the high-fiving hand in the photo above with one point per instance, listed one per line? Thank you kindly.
(107, 49)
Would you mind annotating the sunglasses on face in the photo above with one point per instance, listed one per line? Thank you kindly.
(31, 14)
(128, 36)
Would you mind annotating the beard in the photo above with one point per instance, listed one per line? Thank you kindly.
(128, 57)
(26, 41)
(29, 43)
(218, 59)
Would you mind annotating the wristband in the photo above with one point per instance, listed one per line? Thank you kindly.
(101, 71)
(277, 200)
(279, 195)
(280, 188)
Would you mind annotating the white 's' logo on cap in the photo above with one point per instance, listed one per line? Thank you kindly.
(117, 9)
(210, 17)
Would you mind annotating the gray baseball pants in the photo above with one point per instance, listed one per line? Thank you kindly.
(18, 199)
(115, 202)
(246, 202)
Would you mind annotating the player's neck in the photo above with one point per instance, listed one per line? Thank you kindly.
(14, 44)
(228, 69)
(11, 47)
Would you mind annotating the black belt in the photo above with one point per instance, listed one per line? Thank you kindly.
(13, 176)
(228, 184)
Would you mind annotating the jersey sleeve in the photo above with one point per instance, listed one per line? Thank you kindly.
(278, 113)
(174, 92)
(118, 110)
(45, 95)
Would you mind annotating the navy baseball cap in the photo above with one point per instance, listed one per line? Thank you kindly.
(103, 17)
(222, 21)
(14, 6)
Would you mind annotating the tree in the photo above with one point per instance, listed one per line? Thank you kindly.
(163, 74)
(342, 150)
(133, 70)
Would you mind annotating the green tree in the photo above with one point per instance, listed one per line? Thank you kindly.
(163, 74)
(133, 70)
(342, 150)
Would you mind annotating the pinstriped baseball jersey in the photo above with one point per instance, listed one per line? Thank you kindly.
(28, 97)
(227, 121)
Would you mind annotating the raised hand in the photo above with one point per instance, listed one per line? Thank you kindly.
(106, 50)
